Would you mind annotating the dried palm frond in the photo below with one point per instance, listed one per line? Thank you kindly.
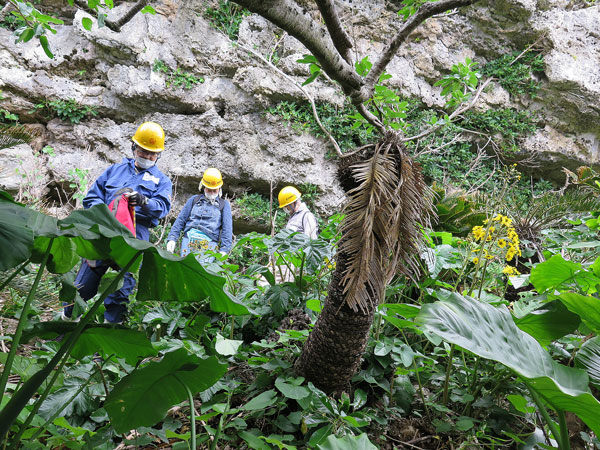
(381, 230)
(11, 135)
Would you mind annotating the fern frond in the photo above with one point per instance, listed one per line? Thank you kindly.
(12, 135)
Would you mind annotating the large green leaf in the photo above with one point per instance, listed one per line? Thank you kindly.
(557, 273)
(347, 442)
(107, 339)
(588, 357)
(16, 239)
(124, 343)
(548, 323)
(490, 332)
(62, 256)
(586, 306)
(96, 234)
(552, 273)
(143, 397)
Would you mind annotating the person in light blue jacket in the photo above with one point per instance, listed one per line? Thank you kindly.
(205, 220)
(148, 190)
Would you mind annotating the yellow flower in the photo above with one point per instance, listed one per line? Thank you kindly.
(501, 243)
(475, 260)
(510, 271)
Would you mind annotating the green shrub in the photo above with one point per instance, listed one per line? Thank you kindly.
(515, 76)
(255, 207)
(227, 18)
(335, 119)
(510, 123)
(176, 77)
(68, 110)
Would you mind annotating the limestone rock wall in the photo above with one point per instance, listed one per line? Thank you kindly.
(222, 121)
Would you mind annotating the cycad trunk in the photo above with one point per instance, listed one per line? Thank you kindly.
(380, 237)
(333, 350)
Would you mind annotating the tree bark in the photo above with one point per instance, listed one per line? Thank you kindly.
(333, 350)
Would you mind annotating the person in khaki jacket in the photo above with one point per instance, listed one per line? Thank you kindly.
(301, 219)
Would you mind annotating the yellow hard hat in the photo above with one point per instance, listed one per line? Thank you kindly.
(287, 195)
(212, 178)
(150, 136)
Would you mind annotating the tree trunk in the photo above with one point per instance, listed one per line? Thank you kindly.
(333, 350)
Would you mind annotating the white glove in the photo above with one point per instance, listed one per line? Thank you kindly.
(170, 246)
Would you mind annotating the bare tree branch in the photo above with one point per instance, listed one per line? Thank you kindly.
(453, 115)
(424, 12)
(287, 15)
(306, 94)
(371, 118)
(114, 25)
(340, 38)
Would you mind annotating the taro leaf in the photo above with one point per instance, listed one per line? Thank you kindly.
(261, 401)
(14, 235)
(106, 338)
(254, 441)
(549, 323)
(124, 343)
(226, 347)
(588, 358)
(292, 388)
(491, 333)
(62, 256)
(347, 442)
(168, 277)
(553, 273)
(144, 396)
(587, 307)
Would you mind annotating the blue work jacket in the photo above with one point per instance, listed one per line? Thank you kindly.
(207, 218)
(155, 185)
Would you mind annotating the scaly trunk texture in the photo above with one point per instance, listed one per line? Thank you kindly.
(333, 350)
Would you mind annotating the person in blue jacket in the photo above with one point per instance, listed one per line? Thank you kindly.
(149, 190)
(205, 220)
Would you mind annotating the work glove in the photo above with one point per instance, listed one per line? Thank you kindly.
(137, 199)
(171, 246)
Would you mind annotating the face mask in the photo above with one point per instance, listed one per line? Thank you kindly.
(211, 197)
(143, 163)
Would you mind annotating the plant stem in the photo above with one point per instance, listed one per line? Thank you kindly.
(544, 412)
(14, 274)
(213, 444)
(378, 327)
(22, 322)
(18, 401)
(232, 326)
(192, 411)
(448, 372)
(301, 275)
(564, 430)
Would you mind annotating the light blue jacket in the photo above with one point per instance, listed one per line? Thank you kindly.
(155, 185)
(207, 218)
